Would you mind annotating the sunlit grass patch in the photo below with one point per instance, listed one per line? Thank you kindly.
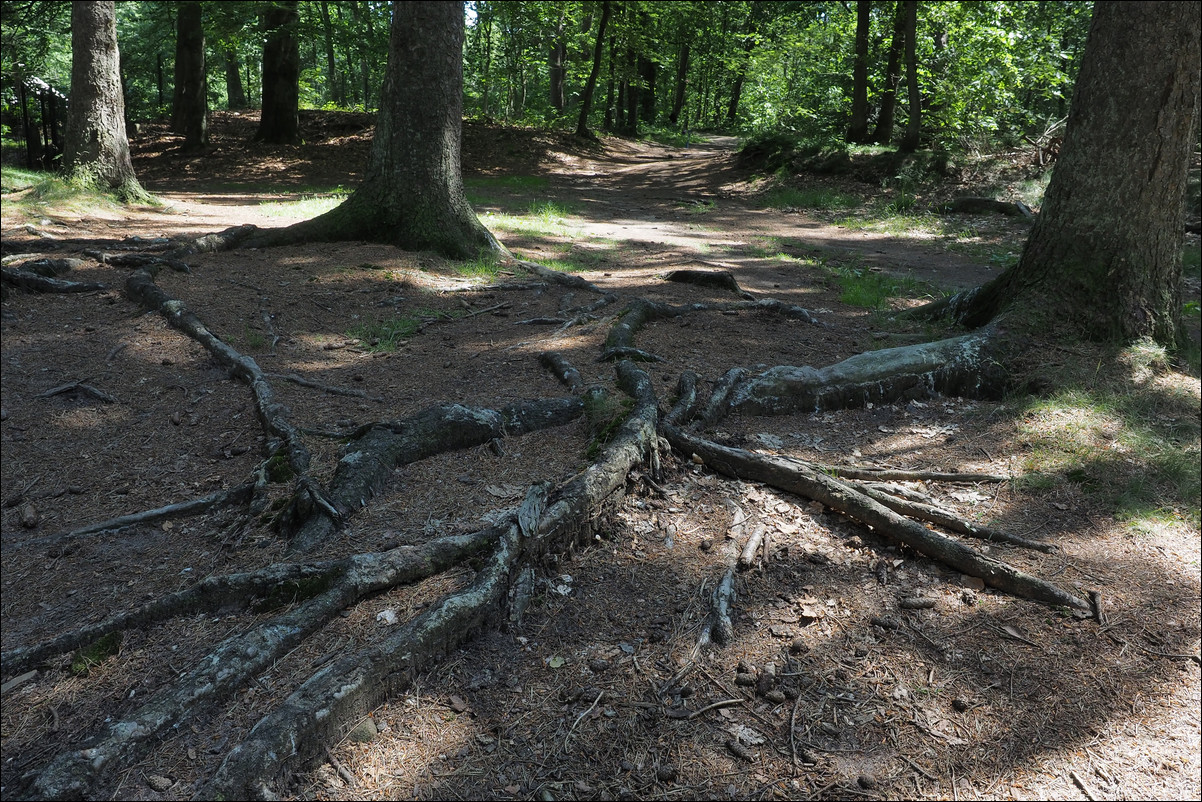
(808, 198)
(387, 334)
(50, 193)
(874, 289)
(308, 206)
(483, 266)
(542, 218)
(14, 179)
(1138, 449)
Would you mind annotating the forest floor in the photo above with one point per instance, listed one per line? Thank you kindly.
(979, 696)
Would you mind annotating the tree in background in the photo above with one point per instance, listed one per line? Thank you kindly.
(412, 195)
(190, 109)
(280, 121)
(590, 86)
(857, 131)
(97, 150)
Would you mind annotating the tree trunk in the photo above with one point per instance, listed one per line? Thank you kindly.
(280, 123)
(647, 71)
(857, 131)
(190, 109)
(883, 133)
(334, 77)
(1105, 253)
(557, 65)
(682, 77)
(96, 147)
(412, 196)
(586, 100)
(235, 95)
(909, 142)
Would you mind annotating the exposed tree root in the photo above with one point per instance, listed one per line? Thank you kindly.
(357, 683)
(797, 477)
(238, 495)
(28, 280)
(272, 414)
(378, 449)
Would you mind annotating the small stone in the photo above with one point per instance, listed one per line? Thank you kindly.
(776, 696)
(961, 704)
(666, 773)
(158, 782)
(364, 732)
(29, 516)
(744, 680)
(866, 782)
(798, 646)
(972, 582)
(598, 665)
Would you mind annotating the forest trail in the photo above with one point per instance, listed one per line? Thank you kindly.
(979, 695)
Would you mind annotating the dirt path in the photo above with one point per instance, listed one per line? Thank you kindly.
(582, 699)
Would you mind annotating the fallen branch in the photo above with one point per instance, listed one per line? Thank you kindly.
(32, 281)
(325, 388)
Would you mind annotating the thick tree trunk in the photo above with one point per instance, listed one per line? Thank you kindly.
(235, 95)
(857, 131)
(97, 149)
(883, 132)
(190, 111)
(647, 73)
(909, 142)
(586, 100)
(280, 123)
(412, 195)
(1105, 253)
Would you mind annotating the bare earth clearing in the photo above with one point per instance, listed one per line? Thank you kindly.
(979, 695)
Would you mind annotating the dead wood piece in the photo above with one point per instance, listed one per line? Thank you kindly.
(747, 557)
(237, 495)
(721, 279)
(78, 387)
(952, 522)
(558, 364)
(11, 277)
(798, 478)
(956, 366)
(974, 205)
(555, 277)
(894, 474)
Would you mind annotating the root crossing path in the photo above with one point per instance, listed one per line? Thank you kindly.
(341, 521)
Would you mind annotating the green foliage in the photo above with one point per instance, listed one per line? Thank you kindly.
(387, 334)
(811, 197)
(88, 657)
(603, 414)
(873, 289)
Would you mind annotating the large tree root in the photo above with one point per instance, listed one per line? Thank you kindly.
(282, 435)
(797, 477)
(357, 683)
(376, 450)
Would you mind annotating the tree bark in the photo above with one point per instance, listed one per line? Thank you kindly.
(96, 148)
(682, 78)
(586, 100)
(883, 133)
(280, 123)
(412, 196)
(190, 109)
(910, 140)
(857, 131)
(1104, 256)
(334, 77)
(557, 65)
(235, 95)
